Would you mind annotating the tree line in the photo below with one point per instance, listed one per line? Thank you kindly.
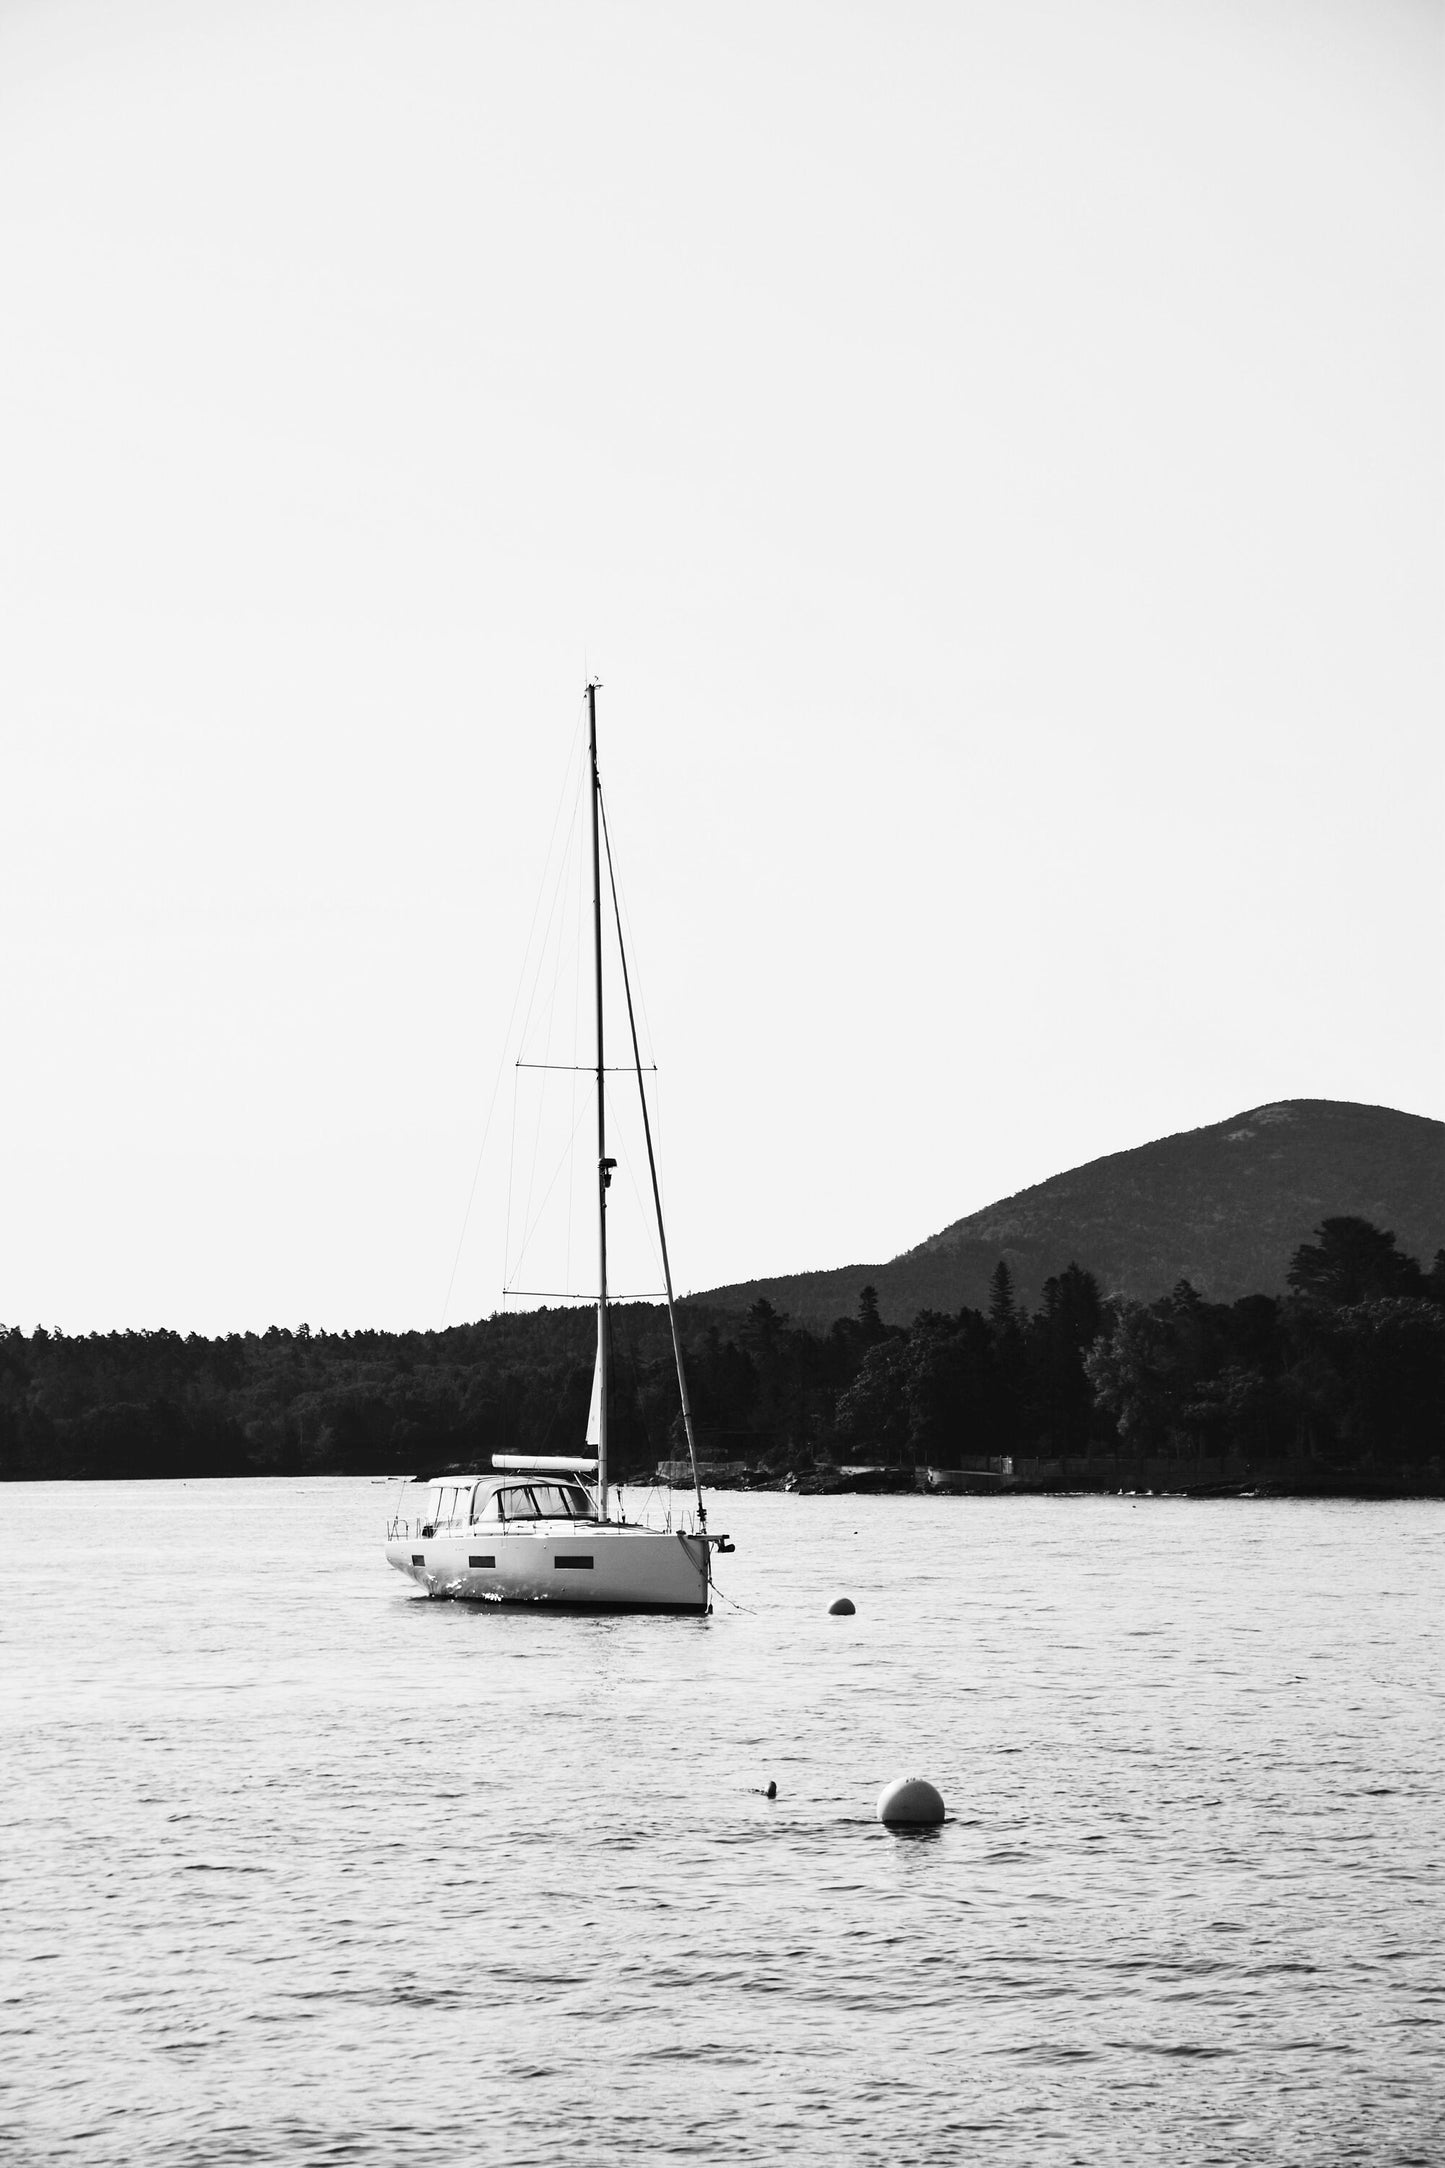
(1339, 1383)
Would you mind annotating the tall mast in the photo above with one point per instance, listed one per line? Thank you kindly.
(604, 1164)
(656, 1188)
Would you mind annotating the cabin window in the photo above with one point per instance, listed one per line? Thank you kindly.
(537, 1501)
(484, 1505)
(562, 1502)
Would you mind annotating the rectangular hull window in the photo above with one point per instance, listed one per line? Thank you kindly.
(573, 1565)
(488, 1560)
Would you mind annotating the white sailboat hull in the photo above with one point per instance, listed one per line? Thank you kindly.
(570, 1566)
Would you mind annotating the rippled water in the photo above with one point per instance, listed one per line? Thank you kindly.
(296, 1866)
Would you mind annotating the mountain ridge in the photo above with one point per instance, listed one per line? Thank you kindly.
(1224, 1206)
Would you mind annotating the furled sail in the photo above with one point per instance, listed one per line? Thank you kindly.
(594, 1413)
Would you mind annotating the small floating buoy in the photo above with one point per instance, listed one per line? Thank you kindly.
(842, 1607)
(910, 1799)
(772, 1790)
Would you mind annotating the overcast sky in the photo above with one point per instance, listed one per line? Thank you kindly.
(991, 455)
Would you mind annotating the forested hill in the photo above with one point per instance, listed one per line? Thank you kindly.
(1222, 1207)
(1340, 1384)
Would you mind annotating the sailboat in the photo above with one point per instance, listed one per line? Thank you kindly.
(549, 1528)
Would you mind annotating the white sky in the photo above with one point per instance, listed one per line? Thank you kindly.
(990, 453)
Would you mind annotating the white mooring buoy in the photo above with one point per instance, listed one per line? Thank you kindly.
(842, 1607)
(910, 1800)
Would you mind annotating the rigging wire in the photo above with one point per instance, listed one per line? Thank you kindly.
(557, 882)
(563, 1157)
(556, 958)
(619, 895)
(560, 899)
(511, 1165)
(572, 1109)
(627, 943)
(512, 1017)
(617, 1135)
(652, 1169)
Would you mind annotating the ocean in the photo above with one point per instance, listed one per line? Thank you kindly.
(297, 1866)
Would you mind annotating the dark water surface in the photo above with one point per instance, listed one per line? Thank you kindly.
(296, 1866)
